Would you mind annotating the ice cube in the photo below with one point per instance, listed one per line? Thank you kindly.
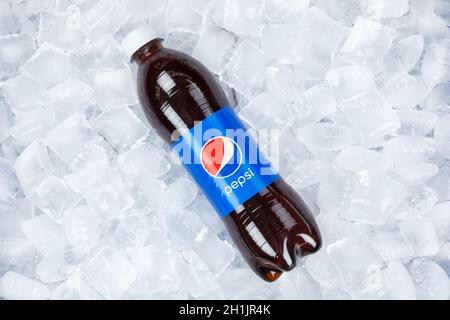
(324, 271)
(14, 286)
(53, 268)
(215, 253)
(442, 10)
(397, 282)
(441, 183)
(325, 137)
(419, 200)
(109, 195)
(32, 123)
(231, 284)
(142, 9)
(113, 87)
(441, 220)
(391, 245)
(442, 135)
(75, 288)
(50, 66)
(35, 164)
(403, 149)
(104, 17)
(416, 122)
(121, 128)
(345, 11)
(182, 41)
(148, 261)
(430, 279)
(359, 265)
(245, 72)
(280, 11)
(223, 43)
(243, 17)
(9, 185)
(22, 92)
(110, 273)
(404, 91)
(87, 167)
(292, 290)
(382, 9)
(421, 234)
(309, 172)
(435, 65)
(415, 173)
(363, 197)
(143, 162)
(439, 99)
(373, 198)
(194, 275)
(104, 54)
(15, 50)
(349, 81)
(69, 97)
(265, 112)
(371, 115)
(82, 228)
(53, 196)
(315, 103)
(9, 23)
(205, 211)
(13, 213)
(186, 15)
(283, 83)
(60, 30)
(180, 194)
(45, 234)
(132, 230)
(335, 192)
(289, 49)
(323, 28)
(356, 159)
(368, 41)
(6, 120)
(403, 54)
(70, 136)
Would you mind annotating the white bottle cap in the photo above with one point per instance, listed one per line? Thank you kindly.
(137, 38)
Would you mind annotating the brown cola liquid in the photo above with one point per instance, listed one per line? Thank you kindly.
(272, 229)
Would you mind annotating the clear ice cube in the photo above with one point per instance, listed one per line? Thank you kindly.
(265, 112)
(15, 50)
(53, 196)
(245, 72)
(50, 66)
(121, 128)
(371, 115)
(326, 137)
(82, 228)
(14, 286)
(223, 43)
(45, 234)
(110, 273)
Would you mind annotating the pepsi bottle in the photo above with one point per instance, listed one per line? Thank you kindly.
(268, 221)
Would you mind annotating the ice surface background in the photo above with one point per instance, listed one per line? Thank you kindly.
(94, 206)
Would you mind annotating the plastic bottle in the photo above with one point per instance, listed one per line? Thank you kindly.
(268, 221)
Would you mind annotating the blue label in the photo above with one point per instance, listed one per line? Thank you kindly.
(224, 160)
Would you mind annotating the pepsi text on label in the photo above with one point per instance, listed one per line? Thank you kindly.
(224, 160)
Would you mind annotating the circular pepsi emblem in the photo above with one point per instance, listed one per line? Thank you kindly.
(221, 157)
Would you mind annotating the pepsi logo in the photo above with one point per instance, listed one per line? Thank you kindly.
(221, 157)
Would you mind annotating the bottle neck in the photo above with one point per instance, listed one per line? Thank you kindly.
(147, 50)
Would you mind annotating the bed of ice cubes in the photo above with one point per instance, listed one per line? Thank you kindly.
(93, 205)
